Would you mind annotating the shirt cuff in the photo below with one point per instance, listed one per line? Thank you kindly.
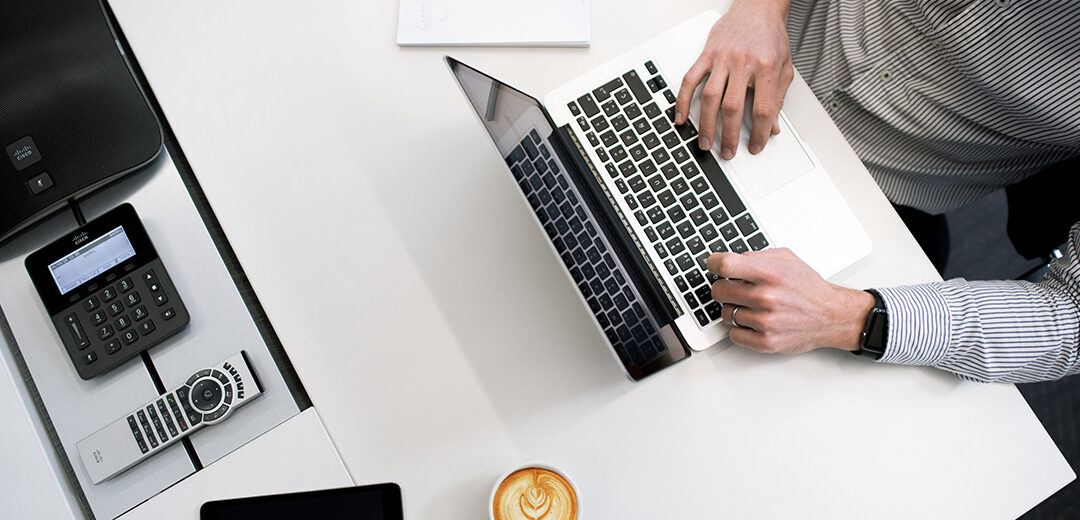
(918, 325)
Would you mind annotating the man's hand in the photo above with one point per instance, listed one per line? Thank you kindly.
(784, 306)
(747, 48)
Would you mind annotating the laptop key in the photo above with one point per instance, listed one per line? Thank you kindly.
(574, 108)
(679, 186)
(651, 141)
(637, 87)
(627, 168)
(654, 85)
(603, 92)
(610, 108)
(628, 137)
(702, 318)
(685, 229)
(709, 201)
(685, 262)
(720, 182)
(676, 214)
(652, 111)
(631, 202)
(661, 125)
(746, 225)
(592, 140)
(671, 140)
(694, 278)
(656, 182)
(669, 96)
(660, 155)
(599, 123)
(691, 299)
(621, 186)
(588, 105)
(609, 138)
(642, 126)
(675, 245)
(661, 251)
(689, 201)
(669, 264)
(602, 154)
(646, 198)
(699, 184)
(757, 242)
(655, 216)
(718, 216)
(666, 198)
(637, 183)
(718, 247)
(583, 123)
(714, 309)
(665, 230)
(695, 245)
(638, 153)
(632, 112)
(619, 123)
(618, 153)
(641, 218)
(623, 96)
(651, 233)
(670, 171)
(680, 155)
(738, 246)
(729, 232)
(704, 294)
(709, 233)
(681, 284)
(650, 66)
(648, 167)
(698, 216)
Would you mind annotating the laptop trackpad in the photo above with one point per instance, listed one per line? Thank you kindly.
(782, 161)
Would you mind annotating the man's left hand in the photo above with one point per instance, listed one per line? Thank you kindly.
(784, 306)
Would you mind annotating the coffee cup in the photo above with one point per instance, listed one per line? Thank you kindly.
(534, 491)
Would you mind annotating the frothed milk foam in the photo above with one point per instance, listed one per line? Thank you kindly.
(535, 494)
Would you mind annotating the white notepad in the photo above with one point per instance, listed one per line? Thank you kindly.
(494, 22)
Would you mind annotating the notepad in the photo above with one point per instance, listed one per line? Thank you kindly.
(494, 22)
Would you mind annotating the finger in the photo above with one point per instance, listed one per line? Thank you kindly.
(711, 96)
(746, 317)
(732, 292)
(734, 265)
(731, 112)
(690, 83)
(748, 338)
(776, 125)
(764, 112)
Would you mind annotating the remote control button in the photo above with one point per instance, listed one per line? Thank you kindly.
(132, 299)
(123, 322)
(91, 303)
(147, 327)
(112, 347)
(228, 394)
(182, 393)
(146, 429)
(105, 332)
(176, 412)
(77, 332)
(167, 417)
(99, 317)
(168, 314)
(90, 357)
(129, 337)
(193, 416)
(157, 423)
(217, 414)
(108, 294)
(139, 313)
(125, 285)
(137, 434)
(160, 299)
(206, 395)
(220, 377)
(115, 308)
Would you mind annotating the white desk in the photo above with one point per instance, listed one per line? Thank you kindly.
(440, 340)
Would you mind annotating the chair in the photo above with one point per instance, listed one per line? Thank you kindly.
(1042, 208)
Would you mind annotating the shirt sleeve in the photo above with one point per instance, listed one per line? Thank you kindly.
(991, 331)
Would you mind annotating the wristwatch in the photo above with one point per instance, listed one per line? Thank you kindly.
(876, 332)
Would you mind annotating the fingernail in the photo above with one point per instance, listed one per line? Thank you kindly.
(755, 149)
(703, 143)
(678, 117)
(726, 154)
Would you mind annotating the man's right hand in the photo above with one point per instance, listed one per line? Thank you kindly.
(747, 48)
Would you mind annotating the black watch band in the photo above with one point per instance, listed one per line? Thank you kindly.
(876, 332)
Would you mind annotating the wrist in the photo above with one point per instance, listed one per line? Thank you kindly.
(772, 8)
(848, 318)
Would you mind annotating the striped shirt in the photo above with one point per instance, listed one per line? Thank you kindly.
(946, 101)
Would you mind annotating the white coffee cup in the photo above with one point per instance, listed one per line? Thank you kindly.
(538, 465)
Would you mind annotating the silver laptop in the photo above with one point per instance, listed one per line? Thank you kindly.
(633, 206)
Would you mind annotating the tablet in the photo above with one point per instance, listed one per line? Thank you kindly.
(375, 502)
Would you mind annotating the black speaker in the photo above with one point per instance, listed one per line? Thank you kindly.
(72, 117)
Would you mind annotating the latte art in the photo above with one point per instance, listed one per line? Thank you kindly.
(535, 494)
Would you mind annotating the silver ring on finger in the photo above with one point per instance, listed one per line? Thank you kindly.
(732, 319)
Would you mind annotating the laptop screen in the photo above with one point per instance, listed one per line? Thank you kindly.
(565, 208)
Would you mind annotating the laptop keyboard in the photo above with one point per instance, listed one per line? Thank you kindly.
(588, 258)
(683, 203)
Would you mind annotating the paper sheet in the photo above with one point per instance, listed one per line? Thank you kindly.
(494, 22)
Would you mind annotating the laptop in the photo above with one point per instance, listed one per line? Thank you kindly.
(634, 208)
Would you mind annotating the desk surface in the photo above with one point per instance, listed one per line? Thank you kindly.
(440, 339)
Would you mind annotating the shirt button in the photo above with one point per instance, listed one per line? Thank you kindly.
(833, 105)
(1003, 3)
(885, 75)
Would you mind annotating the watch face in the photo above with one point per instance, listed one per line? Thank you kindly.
(878, 332)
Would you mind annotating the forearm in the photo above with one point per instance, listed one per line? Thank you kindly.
(1007, 331)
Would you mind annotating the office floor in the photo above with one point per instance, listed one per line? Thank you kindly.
(981, 251)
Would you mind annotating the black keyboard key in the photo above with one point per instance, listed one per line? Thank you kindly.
(611, 170)
(623, 96)
(704, 294)
(631, 202)
(687, 131)
(609, 138)
(676, 214)
(758, 242)
(641, 218)
(698, 216)
(718, 247)
(669, 96)
(618, 153)
(592, 139)
(694, 278)
(651, 141)
(680, 155)
(738, 246)
(686, 229)
(718, 216)
(588, 105)
(691, 299)
(602, 154)
(656, 182)
(675, 245)
(619, 123)
(642, 126)
(661, 251)
(690, 170)
(685, 262)
(628, 137)
(665, 230)
(91, 303)
(660, 155)
(671, 140)
(517, 155)
(655, 216)
(652, 110)
(599, 123)
(627, 168)
(649, 66)
(621, 185)
(535, 136)
(603, 92)
(729, 232)
(699, 184)
(713, 309)
(574, 108)
(746, 225)
(637, 183)
(610, 108)
(115, 308)
(583, 123)
(695, 245)
(632, 112)
(681, 284)
(709, 201)
(648, 167)
(661, 125)
(638, 153)
(689, 201)
(679, 186)
(670, 171)
(651, 233)
(660, 81)
(654, 85)
(669, 264)
(646, 199)
(709, 233)
(703, 261)
(719, 181)
(637, 87)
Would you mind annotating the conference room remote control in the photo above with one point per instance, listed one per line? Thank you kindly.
(207, 397)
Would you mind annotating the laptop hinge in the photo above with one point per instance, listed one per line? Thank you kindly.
(640, 261)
